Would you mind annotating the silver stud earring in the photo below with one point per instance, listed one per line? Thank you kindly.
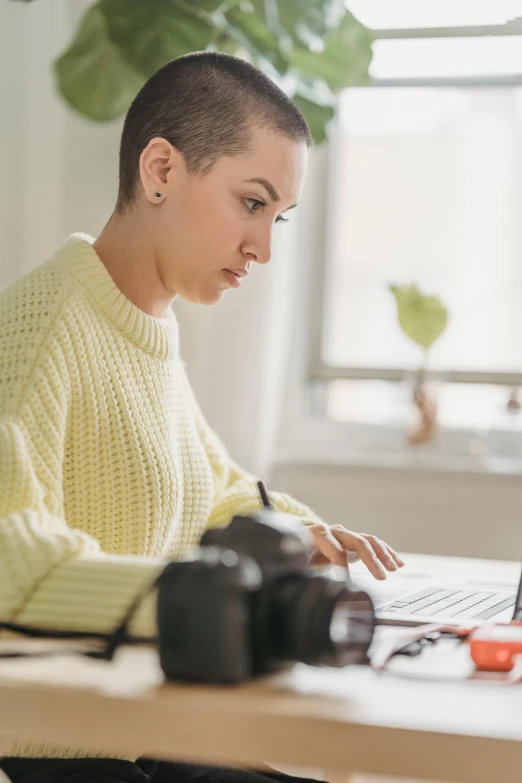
(158, 194)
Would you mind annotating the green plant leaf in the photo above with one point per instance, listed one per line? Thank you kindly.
(150, 34)
(317, 115)
(422, 318)
(248, 27)
(227, 44)
(345, 59)
(92, 75)
(314, 44)
(212, 5)
(308, 21)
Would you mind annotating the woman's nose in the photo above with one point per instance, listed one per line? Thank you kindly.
(259, 250)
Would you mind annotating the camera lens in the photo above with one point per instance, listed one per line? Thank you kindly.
(314, 620)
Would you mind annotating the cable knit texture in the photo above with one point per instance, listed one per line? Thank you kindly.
(107, 465)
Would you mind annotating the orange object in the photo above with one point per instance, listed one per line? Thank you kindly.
(494, 646)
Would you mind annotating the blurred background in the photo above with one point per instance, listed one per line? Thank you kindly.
(392, 414)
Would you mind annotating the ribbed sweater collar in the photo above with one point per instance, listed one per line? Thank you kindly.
(156, 336)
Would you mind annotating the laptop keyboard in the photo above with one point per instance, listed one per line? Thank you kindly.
(446, 604)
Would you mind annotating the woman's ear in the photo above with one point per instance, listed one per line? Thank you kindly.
(157, 161)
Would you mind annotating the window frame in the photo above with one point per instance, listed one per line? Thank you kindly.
(319, 370)
(306, 434)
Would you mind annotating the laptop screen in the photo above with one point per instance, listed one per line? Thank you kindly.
(517, 612)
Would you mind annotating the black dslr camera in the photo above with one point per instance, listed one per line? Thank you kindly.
(247, 603)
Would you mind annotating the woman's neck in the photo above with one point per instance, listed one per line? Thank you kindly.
(128, 256)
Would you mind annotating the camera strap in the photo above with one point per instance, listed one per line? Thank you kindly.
(118, 636)
(113, 640)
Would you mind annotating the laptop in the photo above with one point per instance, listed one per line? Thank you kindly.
(451, 605)
(458, 605)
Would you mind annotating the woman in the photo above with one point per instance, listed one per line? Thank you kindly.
(107, 465)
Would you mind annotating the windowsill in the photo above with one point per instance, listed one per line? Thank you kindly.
(309, 436)
(409, 459)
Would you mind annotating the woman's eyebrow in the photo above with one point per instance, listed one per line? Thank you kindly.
(272, 192)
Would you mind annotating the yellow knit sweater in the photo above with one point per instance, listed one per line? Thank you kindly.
(107, 465)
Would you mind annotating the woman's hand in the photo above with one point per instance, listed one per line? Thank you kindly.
(339, 546)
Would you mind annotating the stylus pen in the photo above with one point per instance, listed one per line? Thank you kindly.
(264, 495)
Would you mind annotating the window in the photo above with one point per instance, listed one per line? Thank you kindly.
(425, 187)
(412, 14)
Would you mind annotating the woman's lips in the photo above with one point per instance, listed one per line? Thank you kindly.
(233, 278)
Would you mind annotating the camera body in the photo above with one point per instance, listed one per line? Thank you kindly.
(247, 603)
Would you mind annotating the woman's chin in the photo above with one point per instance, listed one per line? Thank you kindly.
(209, 296)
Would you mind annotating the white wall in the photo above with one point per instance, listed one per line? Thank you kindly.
(415, 510)
(58, 172)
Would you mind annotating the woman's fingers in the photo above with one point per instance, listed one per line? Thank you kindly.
(339, 546)
(382, 552)
(400, 562)
(356, 543)
(328, 545)
(318, 559)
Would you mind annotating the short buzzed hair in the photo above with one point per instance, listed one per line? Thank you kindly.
(205, 104)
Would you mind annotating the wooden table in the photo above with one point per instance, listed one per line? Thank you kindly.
(337, 720)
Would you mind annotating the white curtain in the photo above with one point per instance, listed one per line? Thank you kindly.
(58, 172)
(237, 353)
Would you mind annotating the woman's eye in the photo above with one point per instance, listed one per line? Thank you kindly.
(252, 204)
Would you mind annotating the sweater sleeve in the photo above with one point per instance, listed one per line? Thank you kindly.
(51, 576)
(235, 490)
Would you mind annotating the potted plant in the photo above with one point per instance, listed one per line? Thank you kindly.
(423, 319)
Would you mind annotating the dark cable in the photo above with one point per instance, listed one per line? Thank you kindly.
(113, 640)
